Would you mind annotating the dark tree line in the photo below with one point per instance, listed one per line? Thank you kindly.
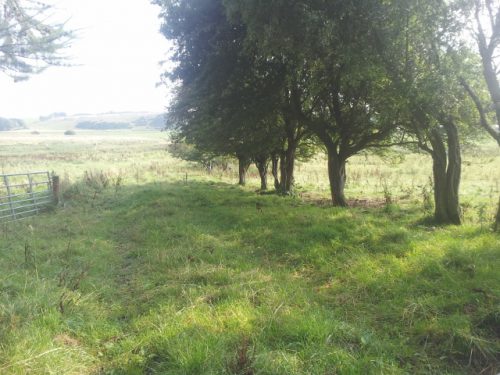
(267, 81)
(11, 124)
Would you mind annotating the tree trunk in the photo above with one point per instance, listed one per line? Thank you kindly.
(439, 164)
(453, 174)
(283, 176)
(287, 168)
(490, 76)
(243, 164)
(275, 166)
(439, 171)
(446, 167)
(262, 165)
(290, 166)
(337, 176)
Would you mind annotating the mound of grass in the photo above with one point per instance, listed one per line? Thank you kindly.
(194, 279)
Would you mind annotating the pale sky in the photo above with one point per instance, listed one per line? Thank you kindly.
(116, 64)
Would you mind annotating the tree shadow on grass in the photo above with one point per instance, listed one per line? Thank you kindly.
(274, 224)
(213, 246)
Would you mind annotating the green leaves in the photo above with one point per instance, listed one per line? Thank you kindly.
(28, 42)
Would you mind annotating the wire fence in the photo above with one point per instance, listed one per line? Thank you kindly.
(24, 194)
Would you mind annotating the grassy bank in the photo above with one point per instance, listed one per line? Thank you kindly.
(174, 278)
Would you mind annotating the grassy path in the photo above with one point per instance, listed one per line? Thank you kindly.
(207, 278)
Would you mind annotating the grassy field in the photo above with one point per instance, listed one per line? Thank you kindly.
(142, 272)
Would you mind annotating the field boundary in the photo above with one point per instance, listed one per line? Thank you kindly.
(24, 194)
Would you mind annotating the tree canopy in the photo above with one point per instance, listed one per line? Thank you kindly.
(29, 42)
(263, 79)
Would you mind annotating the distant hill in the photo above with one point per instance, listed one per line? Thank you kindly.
(102, 125)
(53, 116)
(11, 124)
(154, 122)
(145, 121)
(133, 121)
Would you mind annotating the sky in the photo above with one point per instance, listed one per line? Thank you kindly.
(115, 63)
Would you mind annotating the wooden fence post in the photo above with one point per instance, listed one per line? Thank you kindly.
(55, 188)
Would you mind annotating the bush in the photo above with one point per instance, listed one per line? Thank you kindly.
(188, 152)
(69, 132)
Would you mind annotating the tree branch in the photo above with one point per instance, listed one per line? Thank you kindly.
(482, 113)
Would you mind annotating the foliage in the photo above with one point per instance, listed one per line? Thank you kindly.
(258, 78)
(225, 94)
(7, 124)
(154, 122)
(29, 43)
(484, 18)
(188, 152)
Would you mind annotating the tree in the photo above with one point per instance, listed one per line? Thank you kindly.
(336, 88)
(417, 41)
(225, 99)
(272, 43)
(352, 93)
(230, 99)
(264, 78)
(485, 19)
(28, 42)
(487, 36)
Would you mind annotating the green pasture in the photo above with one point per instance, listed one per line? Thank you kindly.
(150, 265)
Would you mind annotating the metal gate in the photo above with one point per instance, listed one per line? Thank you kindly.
(24, 194)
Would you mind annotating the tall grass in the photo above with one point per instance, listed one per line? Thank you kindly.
(190, 279)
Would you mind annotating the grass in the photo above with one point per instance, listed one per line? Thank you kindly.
(161, 276)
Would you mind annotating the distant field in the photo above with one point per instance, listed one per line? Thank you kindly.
(71, 155)
(82, 138)
(140, 157)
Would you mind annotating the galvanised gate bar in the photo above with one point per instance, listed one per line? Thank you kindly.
(24, 194)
